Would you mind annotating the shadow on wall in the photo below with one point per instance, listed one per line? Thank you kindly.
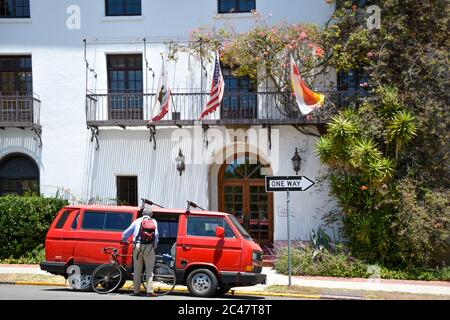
(129, 153)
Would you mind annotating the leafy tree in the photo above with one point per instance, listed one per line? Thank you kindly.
(406, 120)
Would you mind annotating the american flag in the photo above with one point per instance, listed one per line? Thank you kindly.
(217, 88)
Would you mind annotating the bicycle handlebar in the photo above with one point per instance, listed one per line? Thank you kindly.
(110, 250)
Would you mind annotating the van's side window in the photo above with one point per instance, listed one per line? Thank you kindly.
(93, 220)
(75, 221)
(206, 227)
(107, 221)
(117, 221)
(167, 229)
(62, 220)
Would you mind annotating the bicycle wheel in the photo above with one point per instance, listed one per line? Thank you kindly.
(106, 278)
(163, 279)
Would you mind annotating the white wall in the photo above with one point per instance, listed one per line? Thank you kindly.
(130, 153)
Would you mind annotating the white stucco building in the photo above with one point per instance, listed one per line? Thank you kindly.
(83, 133)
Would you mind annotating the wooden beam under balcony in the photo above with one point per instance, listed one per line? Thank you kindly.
(191, 123)
(20, 125)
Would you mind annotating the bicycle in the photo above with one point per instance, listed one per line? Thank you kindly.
(110, 277)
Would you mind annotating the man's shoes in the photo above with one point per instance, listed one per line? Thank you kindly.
(151, 294)
(136, 294)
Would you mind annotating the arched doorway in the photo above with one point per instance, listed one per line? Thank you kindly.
(19, 174)
(242, 193)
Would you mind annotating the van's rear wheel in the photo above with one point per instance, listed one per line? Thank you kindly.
(202, 283)
(78, 281)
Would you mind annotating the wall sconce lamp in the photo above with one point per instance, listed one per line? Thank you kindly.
(180, 162)
(296, 162)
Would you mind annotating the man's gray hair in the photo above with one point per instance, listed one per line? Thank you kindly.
(147, 211)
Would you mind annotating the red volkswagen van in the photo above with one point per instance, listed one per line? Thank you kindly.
(210, 246)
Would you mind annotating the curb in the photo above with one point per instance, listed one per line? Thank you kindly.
(233, 292)
(262, 293)
(30, 283)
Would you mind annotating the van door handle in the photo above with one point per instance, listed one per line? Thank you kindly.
(186, 247)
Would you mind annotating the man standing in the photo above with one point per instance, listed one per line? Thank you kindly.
(145, 240)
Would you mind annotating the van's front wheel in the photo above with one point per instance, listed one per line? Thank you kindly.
(223, 289)
(202, 283)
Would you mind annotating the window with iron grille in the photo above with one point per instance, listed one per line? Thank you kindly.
(14, 8)
(19, 175)
(127, 193)
(353, 80)
(15, 75)
(123, 7)
(239, 98)
(232, 6)
(352, 85)
(125, 86)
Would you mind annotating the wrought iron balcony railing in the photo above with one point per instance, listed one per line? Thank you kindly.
(19, 110)
(237, 108)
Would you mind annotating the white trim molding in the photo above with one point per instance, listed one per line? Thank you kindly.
(122, 18)
(15, 20)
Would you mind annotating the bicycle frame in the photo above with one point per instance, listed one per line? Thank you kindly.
(166, 277)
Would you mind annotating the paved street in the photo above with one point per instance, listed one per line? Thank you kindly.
(25, 292)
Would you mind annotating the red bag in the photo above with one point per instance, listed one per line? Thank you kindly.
(147, 232)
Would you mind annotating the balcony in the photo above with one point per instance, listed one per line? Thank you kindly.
(20, 111)
(259, 108)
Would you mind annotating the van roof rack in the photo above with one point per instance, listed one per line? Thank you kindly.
(193, 205)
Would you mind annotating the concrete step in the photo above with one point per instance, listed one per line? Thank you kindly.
(268, 263)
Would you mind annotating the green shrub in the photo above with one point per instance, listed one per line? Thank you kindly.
(421, 225)
(442, 274)
(307, 261)
(24, 222)
(32, 257)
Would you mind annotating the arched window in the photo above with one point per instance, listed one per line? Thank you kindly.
(19, 174)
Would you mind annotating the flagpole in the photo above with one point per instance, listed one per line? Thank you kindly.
(201, 74)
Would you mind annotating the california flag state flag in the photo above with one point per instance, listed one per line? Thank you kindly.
(163, 96)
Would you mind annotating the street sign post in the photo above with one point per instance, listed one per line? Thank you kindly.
(286, 184)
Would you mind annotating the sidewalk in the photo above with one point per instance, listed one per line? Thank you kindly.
(274, 278)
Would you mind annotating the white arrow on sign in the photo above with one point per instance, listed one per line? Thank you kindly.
(290, 183)
(304, 183)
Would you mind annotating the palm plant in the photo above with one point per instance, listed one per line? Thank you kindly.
(401, 129)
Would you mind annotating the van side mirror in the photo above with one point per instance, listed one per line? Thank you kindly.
(220, 232)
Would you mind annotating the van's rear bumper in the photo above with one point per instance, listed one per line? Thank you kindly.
(58, 268)
(243, 278)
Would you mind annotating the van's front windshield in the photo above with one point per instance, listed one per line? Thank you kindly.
(240, 227)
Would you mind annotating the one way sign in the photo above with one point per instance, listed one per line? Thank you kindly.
(288, 183)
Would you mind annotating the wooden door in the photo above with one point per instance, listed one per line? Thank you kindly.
(242, 193)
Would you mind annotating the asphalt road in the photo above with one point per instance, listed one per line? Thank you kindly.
(25, 292)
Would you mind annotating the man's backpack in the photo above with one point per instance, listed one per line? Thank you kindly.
(147, 231)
